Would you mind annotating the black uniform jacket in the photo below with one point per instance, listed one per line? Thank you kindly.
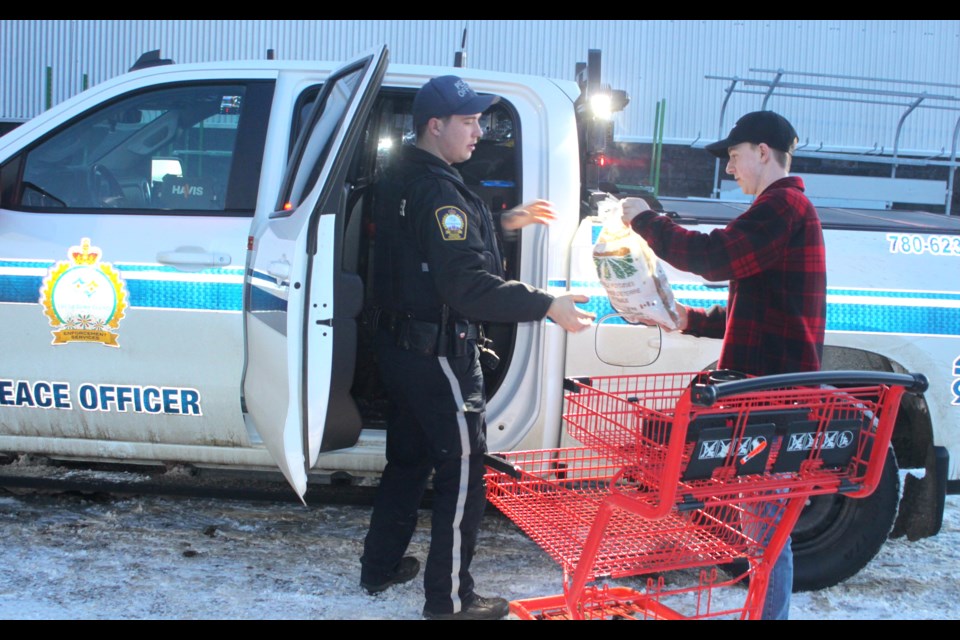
(436, 244)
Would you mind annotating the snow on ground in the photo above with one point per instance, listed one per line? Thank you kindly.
(70, 556)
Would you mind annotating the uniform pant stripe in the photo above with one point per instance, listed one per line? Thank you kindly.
(464, 477)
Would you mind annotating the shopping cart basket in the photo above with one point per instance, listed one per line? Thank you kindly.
(680, 471)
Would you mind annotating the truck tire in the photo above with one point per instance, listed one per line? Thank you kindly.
(836, 536)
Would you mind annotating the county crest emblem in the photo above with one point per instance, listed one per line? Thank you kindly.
(84, 298)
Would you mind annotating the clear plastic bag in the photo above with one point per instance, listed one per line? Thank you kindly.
(630, 271)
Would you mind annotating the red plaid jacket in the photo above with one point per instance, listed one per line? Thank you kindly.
(773, 256)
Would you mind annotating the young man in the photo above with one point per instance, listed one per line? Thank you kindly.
(773, 256)
(438, 273)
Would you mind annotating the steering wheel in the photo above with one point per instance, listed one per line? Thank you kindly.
(105, 190)
(146, 193)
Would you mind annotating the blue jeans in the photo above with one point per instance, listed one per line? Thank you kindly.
(777, 603)
(766, 516)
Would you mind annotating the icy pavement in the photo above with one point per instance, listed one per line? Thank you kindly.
(74, 557)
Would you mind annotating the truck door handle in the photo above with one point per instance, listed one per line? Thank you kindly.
(716, 285)
(193, 258)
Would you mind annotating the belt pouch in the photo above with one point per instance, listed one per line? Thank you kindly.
(458, 344)
(419, 336)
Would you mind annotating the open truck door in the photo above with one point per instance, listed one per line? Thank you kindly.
(300, 307)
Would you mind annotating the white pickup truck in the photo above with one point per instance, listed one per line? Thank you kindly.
(184, 251)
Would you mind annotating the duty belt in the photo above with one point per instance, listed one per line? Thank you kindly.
(429, 338)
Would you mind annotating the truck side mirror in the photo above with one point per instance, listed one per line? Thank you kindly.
(621, 344)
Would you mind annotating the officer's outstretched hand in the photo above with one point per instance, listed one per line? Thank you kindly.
(568, 315)
(632, 207)
(539, 211)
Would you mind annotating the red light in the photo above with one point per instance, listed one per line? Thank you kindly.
(601, 161)
(287, 206)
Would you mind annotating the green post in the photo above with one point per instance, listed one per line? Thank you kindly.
(84, 83)
(657, 146)
(48, 97)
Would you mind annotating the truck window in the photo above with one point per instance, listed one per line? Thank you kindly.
(301, 114)
(315, 140)
(181, 148)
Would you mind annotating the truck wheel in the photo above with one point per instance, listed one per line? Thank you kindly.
(836, 536)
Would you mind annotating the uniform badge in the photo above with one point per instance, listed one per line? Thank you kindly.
(453, 223)
(83, 298)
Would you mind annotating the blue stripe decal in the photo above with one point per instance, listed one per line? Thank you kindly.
(260, 275)
(933, 313)
(901, 312)
(262, 296)
(263, 300)
(170, 294)
(879, 319)
(923, 295)
(216, 289)
(20, 288)
(126, 268)
(26, 264)
(863, 293)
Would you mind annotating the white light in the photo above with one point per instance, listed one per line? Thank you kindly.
(165, 167)
(600, 106)
(385, 144)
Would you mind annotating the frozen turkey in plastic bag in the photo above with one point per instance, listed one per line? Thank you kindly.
(630, 271)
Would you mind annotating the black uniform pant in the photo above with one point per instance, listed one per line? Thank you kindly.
(436, 424)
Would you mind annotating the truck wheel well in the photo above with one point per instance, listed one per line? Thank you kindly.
(919, 514)
(913, 433)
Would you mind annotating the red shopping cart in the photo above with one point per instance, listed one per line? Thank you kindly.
(689, 471)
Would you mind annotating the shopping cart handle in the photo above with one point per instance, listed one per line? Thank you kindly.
(706, 394)
(499, 464)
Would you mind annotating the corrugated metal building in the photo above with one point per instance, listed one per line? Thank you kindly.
(674, 61)
(855, 86)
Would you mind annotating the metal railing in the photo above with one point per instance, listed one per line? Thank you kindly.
(908, 100)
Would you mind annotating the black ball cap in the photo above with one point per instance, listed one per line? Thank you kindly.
(757, 127)
(448, 96)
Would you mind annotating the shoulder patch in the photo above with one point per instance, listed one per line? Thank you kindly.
(453, 223)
